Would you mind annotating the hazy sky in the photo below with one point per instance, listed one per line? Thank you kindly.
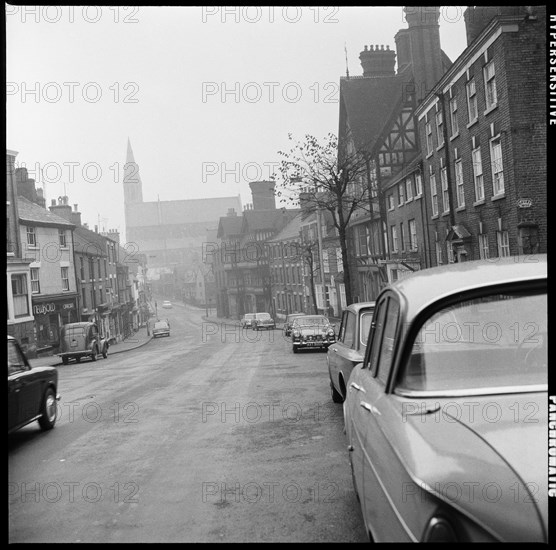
(207, 96)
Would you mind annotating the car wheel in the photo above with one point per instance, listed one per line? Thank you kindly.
(105, 352)
(48, 410)
(295, 350)
(78, 359)
(65, 360)
(336, 395)
(94, 354)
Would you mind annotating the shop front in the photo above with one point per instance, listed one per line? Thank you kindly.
(50, 315)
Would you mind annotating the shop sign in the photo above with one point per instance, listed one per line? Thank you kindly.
(43, 309)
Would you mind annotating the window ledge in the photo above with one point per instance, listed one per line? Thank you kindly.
(29, 247)
(473, 122)
(418, 196)
(10, 254)
(490, 109)
(435, 217)
(454, 136)
(498, 197)
(400, 205)
(429, 155)
(409, 200)
(445, 213)
(478, 203)
(440, 147)
(460, 208)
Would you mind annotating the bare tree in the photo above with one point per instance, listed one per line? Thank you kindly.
(307, 252)
(329, 181)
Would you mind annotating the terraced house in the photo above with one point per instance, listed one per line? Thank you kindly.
(483, 130)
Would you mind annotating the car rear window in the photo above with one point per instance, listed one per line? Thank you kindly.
(495, 341)
(263, 315)
(161, 324)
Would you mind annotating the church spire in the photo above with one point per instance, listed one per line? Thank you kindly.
(133, 187)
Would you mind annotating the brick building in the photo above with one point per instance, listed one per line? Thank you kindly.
(483, 135)
(240, 256)
(21, 323)
(377, 120)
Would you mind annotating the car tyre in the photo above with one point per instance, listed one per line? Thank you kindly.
(295, 350)
(94, 354)
(336, 395)
(78, 359)
(48, 410)
(65, 360)
(105, 352)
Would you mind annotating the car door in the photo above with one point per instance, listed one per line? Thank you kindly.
(382, 471)
(356, 393)
(24, 387)
(332, 353)
(346, 356)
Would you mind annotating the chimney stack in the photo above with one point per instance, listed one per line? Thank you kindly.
(76, 216)
(377, 61)
(403, 49)
(62, 209)
(426, 54)
(231, 212)
(263, 195)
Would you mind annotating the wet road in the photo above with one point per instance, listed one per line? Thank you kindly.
(212, 434)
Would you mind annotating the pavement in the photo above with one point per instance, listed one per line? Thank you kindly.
(136, 340)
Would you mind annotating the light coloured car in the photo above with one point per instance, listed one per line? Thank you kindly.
(247, 320)
(350, 346)
(312, 332)
(161, 328)
(447, 416)
(167, 304)
(263, 321)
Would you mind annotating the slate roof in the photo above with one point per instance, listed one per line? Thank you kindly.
(229, 225)
(89, 242)
(180, 212)
(271, 220)
(291, 231)
(33, 213)
(368, 104)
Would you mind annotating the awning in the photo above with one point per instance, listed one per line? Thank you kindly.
(458, 233)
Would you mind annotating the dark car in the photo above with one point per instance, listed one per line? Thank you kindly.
(350, 346)
(263, 320)
(312, 331)
(161, 328)
(289, 321)
(447, 417)
(78, 340)
(32, 391)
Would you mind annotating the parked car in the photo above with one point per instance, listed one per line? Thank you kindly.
(446, 418)
(32, 391)
(312, 331)
(263, 320)
(350, 346)
(247, 320)
(167, 304)
(78, 340)
(161, 328)
(287, 329)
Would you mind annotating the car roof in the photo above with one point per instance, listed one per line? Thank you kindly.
(358, 306)
(10, 337)
(161, 323)
(424, 287)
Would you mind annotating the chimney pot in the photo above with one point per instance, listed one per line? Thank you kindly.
(96, 228)
(75, 207)
(53, 202)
